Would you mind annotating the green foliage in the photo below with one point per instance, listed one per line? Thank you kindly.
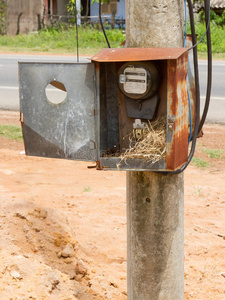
(108, 1)
(3, 7)
(11, 132)
(71, 7)
(214, 153)
(200, 163)
(217, 37)
(52, 40)
(216, 19)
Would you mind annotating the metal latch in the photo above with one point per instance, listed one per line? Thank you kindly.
(170, 122)
(170, 128)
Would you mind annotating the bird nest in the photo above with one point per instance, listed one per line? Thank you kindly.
(151, 146)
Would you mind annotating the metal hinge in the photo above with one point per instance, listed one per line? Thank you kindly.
(93, 145)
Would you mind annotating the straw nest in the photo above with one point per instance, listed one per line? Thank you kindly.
(152, 145)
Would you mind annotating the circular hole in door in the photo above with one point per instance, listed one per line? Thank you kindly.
(55, 92)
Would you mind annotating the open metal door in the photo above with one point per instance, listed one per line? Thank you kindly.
(64, 128)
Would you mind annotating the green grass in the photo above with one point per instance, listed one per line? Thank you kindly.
(217, 38)
(214, 153)
(200, 163)
(87, 189)
(92, 40)
(53, 41)
(11, 132)
(197, 190)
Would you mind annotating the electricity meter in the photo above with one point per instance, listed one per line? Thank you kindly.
(138, 80)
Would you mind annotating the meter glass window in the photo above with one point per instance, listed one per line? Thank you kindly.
(136, 80)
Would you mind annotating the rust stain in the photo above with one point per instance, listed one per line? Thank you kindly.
(99, 165)
(177, 106)
(97, 67)
(137, 54)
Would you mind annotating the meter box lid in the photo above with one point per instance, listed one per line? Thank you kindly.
(137, 54)
(58, 130)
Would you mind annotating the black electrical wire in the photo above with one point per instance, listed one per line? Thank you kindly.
(75, 11)
(209, 75)
(207, 29)
(195, 58)
(198, 126)
(100, 21)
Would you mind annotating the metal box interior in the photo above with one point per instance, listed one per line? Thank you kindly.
(114, 122)
(92, 122)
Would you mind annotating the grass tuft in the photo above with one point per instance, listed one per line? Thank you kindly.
(87, 189)
(214, 153)
(90, 41)
(11, 132)
(200, 163)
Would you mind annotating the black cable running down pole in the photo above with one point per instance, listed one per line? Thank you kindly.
(195, 55)
(75, 11)
(198, 126)
(209, 76)
(100, 21)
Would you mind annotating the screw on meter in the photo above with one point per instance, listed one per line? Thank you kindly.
(138, 80)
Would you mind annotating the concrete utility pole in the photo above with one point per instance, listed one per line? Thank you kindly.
(155, 202)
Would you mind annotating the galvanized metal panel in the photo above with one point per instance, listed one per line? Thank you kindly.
(65, 130)
(137, 54)
(130, 164)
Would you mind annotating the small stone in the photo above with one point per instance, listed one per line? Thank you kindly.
(68, 251)
(59, 254)
(68, 260)
(26, 228)
(72, 275)
(90, 283)
(80, 267)
(79, 277)
(20, 215)
(222, 274)
(37, 229)
(52, 282)
(15, 275)
(112, 282)
(40, 213)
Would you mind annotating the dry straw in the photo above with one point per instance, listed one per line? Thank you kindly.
(152, 145)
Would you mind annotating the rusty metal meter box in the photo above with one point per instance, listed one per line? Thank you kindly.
(111, 109)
